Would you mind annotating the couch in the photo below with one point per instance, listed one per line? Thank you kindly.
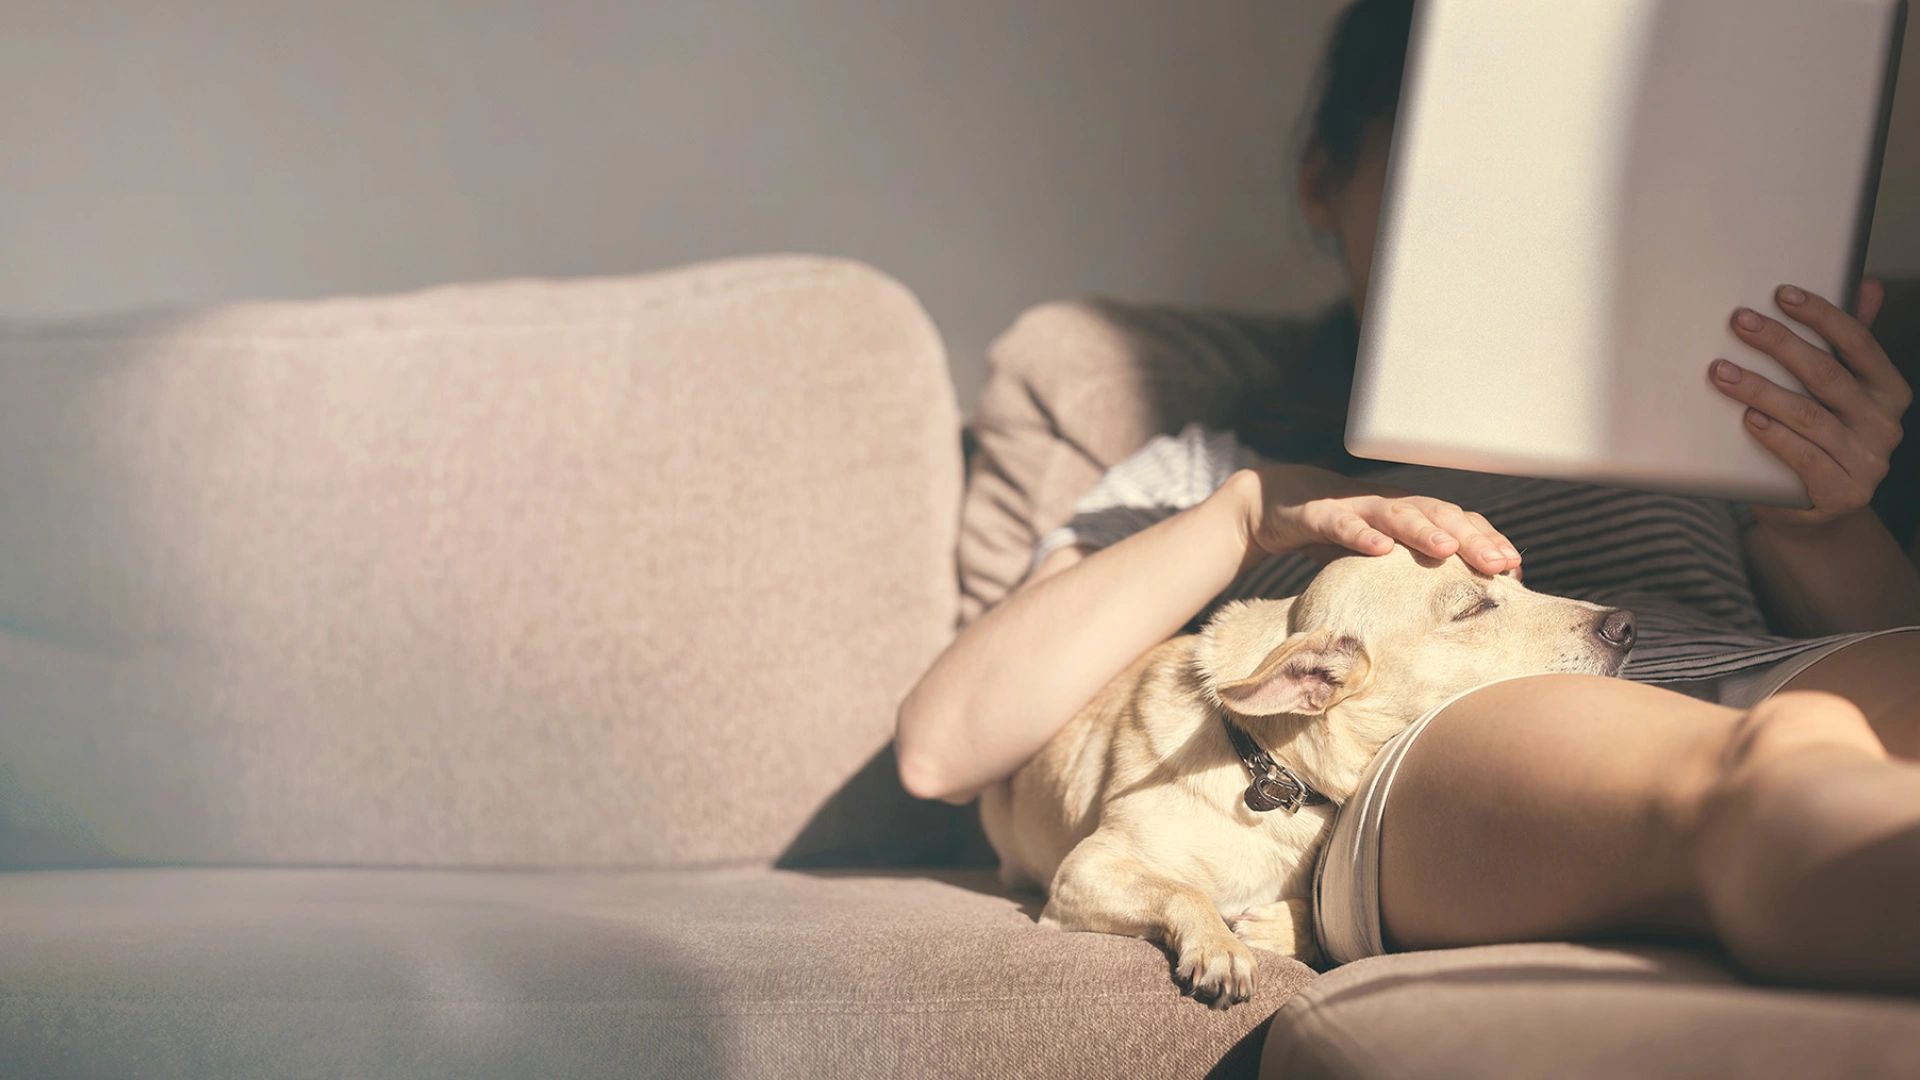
(498, 681)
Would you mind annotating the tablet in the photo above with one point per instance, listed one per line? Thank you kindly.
(1578, 196)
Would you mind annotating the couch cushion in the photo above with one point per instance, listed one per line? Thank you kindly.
(1560, 1010)
(1073, 388)
(684, 975)
(624, 572)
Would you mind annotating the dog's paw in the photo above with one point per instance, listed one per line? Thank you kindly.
(1285, 927)
(1215, 969)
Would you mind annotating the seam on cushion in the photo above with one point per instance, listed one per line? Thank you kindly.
(1069, 404)
(762, 282)
(1147, 384)
(1063, 451)
(1060, 449)
(989, 461)
(1065, 446)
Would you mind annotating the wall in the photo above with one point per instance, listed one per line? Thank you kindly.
(990, 153)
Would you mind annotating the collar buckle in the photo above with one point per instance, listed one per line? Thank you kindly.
(1274, 786)
(1283, 791)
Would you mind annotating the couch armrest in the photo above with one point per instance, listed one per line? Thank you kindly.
(629, 572)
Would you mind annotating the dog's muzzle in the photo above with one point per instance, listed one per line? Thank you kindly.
(1617, 629)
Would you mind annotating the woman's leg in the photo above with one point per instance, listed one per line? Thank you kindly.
(1881, 675)
(1569, 806)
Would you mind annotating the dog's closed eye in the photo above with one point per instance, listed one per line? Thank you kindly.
(1480, 606)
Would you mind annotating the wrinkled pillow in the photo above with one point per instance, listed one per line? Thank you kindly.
(1075, 387)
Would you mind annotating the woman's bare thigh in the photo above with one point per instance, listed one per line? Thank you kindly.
(1549, 807)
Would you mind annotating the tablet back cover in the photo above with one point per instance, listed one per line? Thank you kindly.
(1579, 195)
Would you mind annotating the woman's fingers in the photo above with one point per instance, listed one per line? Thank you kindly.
(1371, 524)
(1866, 305)
(1481, 546)
(1828, 484)
(1404, 520)
(1809, 419)
(1874, 373)
(1352, 531)
(1439, 529)
(1840, 435)
(1842, 390)
(1506, 546)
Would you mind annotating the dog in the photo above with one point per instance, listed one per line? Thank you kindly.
(1139, 816)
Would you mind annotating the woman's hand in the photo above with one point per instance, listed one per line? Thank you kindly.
(1839, 439)
(1291, 508)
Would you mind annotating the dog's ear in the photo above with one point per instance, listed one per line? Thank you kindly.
(1308, 674)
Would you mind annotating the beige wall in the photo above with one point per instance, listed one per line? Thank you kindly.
(990, 153)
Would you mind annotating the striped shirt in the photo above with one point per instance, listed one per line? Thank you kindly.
(1673, 560)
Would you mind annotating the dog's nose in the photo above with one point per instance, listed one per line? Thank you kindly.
(1617, 629)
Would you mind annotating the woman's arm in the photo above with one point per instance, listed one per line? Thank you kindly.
(1841, 576)
(1020, 671)
(1014, 676)
(1834, 567)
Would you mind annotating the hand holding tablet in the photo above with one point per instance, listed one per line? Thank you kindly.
(1839, 435)
(1579, 196)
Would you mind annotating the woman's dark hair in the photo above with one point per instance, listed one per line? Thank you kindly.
(1359, 78)
(1304, 418)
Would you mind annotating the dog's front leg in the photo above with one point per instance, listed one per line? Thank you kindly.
(1103, 886)
(1284, 926)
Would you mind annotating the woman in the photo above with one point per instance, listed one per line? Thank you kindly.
(1765, 795)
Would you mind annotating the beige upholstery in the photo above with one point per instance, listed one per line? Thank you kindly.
(625, 572)
(1073, 388)
(1574, 1011)
(609, 574)
(679, 975)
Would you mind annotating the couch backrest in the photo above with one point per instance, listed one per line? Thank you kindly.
(626, 572)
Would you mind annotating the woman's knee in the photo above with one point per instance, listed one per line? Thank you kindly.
(1756, 766)
(1882, 676)
(1770, 821)
(1792, 724)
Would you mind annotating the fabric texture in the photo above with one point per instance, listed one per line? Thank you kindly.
(1167, 475)
(1579, 1012)
(1074, 387)
(624, 572)
(680, 975)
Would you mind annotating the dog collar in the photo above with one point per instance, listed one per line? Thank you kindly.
(1274, 786)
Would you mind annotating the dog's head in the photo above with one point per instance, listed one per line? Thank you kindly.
(1376, 641)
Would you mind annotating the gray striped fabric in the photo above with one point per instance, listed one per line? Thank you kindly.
(1673, 560)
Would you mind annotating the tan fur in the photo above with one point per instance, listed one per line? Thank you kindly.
(1132, 818)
